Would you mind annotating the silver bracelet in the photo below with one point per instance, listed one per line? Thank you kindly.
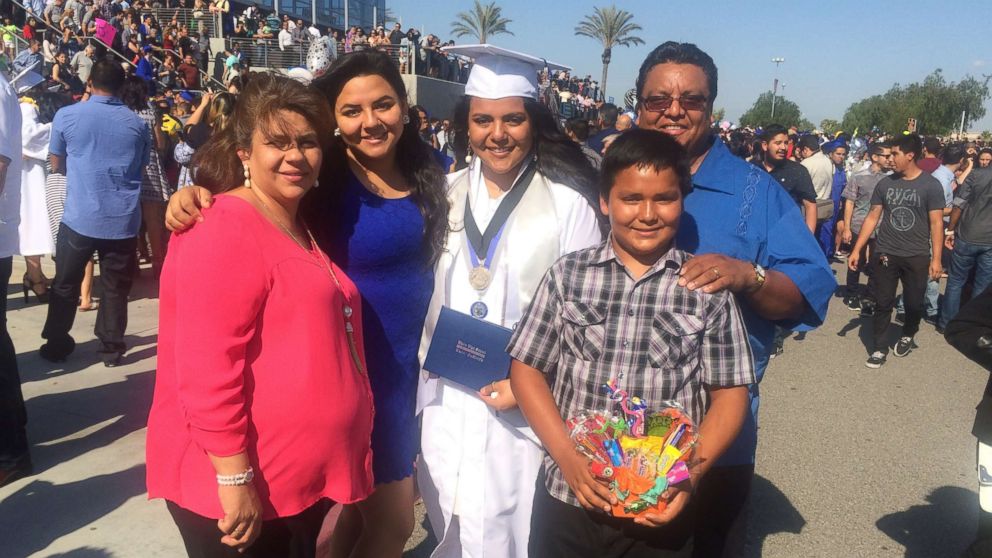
(239, 479)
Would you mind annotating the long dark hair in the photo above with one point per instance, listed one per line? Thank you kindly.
(414, 158)
(559, 159)
(134, 93)
(49, 103)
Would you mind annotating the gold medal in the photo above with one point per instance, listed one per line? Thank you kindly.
(479, 278)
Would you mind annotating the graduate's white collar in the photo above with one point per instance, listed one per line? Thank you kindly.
(478, 184)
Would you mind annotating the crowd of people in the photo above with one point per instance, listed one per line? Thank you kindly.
(172, 50)
(326, 233)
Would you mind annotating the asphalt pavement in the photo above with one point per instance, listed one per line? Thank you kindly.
(851, 461)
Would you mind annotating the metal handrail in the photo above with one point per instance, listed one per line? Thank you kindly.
(84, 38)
(265, 53)
(185, 16)
(204, 76)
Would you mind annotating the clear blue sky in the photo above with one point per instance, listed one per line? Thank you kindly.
(836, 52)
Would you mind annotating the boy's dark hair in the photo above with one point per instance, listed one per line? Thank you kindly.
(679, 53)
(773, 130)
(953, 154)
(609, 113)
(908, 143)
(643, 148)
(932, 144)
(810, 142)
(107, 75)
(578, 126)
(878, 147)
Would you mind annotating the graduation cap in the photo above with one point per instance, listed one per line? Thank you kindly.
(26, 80)
(499, 73)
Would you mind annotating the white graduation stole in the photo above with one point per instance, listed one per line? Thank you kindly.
(530, 245)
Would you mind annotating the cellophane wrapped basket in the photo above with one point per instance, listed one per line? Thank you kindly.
(638, 453)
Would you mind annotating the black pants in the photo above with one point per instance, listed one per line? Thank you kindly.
(13, 417)
(286, 537)
(561, 530)
(118, 262)
(721, 512)
(887, 271)
(854, 277)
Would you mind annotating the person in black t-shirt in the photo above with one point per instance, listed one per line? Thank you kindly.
(791, 175)
(908, 208)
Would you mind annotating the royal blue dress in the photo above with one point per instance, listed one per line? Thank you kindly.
(378, 243)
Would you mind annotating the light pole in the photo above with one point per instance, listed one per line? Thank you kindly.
(777, 61)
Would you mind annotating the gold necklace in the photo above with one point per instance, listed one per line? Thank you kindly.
(314, 252)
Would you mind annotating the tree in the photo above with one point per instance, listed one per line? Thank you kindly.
(934, 103)
(719, 114)
(611, 27)
(389, 17)
(830, 126)
(787, 113)
(482, 22)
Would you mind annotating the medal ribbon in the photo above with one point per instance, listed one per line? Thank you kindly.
(485, 243)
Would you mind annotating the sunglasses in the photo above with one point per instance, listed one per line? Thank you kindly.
(661, 103)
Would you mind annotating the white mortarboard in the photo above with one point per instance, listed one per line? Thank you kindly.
(499, 73)
(301, 75)
(25, 80)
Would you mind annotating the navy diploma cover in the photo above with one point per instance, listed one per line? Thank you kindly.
(468, 351)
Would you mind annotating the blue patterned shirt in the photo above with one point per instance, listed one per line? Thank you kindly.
(106, 145)
(738, 210)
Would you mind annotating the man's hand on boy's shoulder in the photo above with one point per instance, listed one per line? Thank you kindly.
(591, 493)
(713, 273)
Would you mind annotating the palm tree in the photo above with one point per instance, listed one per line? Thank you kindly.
(482, 21)
(612, 27)
(390, 17)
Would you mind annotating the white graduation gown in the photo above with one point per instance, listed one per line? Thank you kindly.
(10, 147)
(478, 468)
(35, 231)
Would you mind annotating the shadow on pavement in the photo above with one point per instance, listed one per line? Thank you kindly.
(112, 411)
(85, 552)
(771, 513)
(944, 526)
(34, 368)
(426, 546)
(41, 512)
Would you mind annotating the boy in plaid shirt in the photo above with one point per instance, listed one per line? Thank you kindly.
(617, 312)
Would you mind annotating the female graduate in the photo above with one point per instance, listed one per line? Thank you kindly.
(526, 192)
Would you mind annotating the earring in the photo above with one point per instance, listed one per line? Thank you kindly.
(316, 184)
(247, 177)
(337, 132)
(406, 118)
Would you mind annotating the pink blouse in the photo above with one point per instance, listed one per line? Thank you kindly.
(253, 355)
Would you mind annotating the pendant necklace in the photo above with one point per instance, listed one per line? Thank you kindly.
(482, 245)
(324, 262)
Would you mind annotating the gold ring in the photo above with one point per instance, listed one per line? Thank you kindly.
(716, 272)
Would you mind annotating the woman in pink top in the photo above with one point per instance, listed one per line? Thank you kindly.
(262, 411)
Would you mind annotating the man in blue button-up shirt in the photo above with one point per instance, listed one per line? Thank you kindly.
(101, 146)
(749, 237)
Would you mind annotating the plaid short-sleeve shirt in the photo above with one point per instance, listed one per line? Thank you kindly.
(590, 321)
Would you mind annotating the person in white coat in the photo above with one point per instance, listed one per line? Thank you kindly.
(479, 460)
(15, 459)
(34, 232)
